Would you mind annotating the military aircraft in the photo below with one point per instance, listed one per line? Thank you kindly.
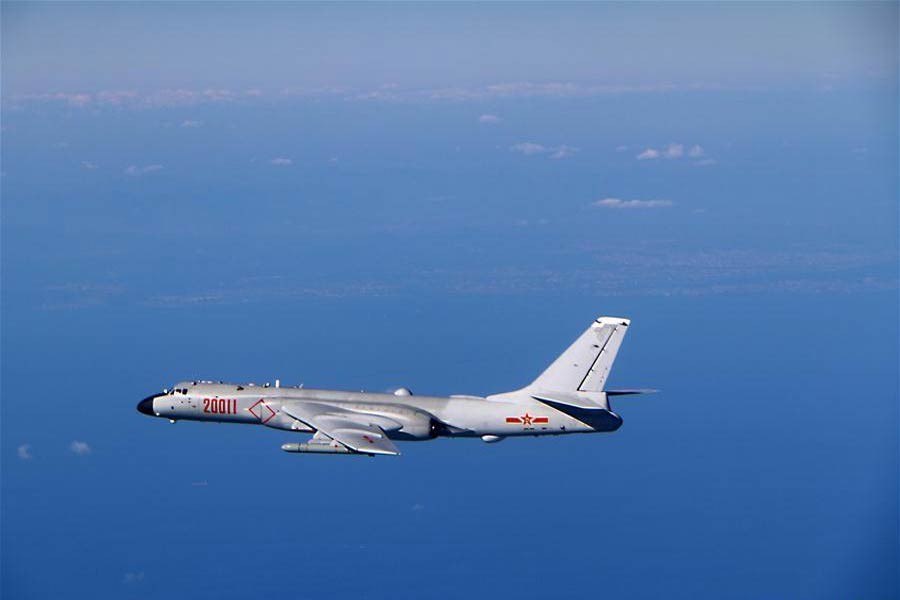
(568, 397)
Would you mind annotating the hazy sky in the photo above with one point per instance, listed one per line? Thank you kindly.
(77, 47)
(442, 197)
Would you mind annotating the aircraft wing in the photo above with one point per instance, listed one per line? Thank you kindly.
(359, 432)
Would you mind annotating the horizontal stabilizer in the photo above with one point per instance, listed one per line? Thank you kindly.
(633, 392)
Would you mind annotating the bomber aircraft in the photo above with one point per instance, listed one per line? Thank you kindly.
(568, 397)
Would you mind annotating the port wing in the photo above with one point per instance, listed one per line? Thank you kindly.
(360, 432)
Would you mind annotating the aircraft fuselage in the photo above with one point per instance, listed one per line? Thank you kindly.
(422, 417)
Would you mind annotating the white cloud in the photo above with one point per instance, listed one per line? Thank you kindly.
(674, 151)
(191, 124)
(80, 448)
(116, 98)
(532, 149)
(218, 95)
(525, 88)
(24, 452)
(529, 89)
(529, 148)
(488, 119)
(385, 94)
(184, 97)
(79, 100)
(315, 92)
(619, 203)
(648, 154)
(136, 171)
(563, 152)
(281, 162)
(157, 98)
(88, 165)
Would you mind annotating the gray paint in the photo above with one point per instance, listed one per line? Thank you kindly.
(558, 402)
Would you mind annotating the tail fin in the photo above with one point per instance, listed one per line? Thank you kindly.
(585, 365)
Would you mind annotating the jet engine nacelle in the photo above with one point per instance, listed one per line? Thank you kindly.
(418, 427)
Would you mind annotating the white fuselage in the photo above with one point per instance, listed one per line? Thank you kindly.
(422, 417)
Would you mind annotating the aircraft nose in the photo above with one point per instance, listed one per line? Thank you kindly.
(146, 406)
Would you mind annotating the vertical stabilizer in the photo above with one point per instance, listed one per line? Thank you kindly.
(585, 365)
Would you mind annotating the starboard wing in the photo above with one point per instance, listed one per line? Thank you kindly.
(359, 432)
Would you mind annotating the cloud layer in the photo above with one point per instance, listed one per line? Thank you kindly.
(181, 97)
(554, 152)
(619, 203)
(675, 151)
